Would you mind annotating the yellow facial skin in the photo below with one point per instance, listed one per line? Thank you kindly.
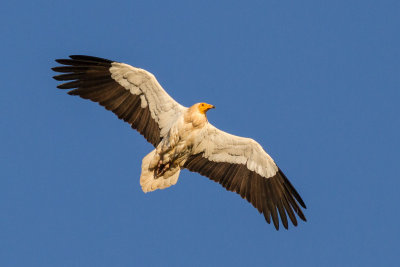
(204, 107)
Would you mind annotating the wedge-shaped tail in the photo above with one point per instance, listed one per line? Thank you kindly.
(148, 179)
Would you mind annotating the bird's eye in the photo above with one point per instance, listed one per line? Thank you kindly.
(202, 105)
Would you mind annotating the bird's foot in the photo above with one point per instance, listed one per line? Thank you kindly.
(161, 168)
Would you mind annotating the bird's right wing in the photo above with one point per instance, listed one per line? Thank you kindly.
(133, 94)
(241, 165)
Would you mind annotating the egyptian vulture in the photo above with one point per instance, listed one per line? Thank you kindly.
(183, 138)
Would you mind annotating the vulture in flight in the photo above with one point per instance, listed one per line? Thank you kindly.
(183, 138)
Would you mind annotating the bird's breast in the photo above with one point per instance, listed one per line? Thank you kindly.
(180, 139)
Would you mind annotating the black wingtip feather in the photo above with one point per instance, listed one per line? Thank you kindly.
(292, 189)
(90, 58)
(65, 77)
(69, 85)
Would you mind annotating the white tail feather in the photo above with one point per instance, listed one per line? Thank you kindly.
(149, 182)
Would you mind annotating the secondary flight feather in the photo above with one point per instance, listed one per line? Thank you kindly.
(183, 138)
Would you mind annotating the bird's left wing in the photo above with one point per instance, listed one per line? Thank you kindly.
(241, 165)
(133, 94)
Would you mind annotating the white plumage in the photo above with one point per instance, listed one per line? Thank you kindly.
(182, 137)
(219, 146)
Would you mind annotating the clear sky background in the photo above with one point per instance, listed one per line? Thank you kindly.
(316, 83)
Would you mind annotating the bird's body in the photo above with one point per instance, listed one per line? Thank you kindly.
(182, 137)
(161, 167)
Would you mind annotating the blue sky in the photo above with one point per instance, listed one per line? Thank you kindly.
(315, 82)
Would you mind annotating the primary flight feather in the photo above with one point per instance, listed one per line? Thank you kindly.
(182, 137)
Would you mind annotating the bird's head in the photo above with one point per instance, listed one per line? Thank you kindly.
(204, 107)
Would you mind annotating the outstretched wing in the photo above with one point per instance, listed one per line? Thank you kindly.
(133, 94)
(241, 165)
